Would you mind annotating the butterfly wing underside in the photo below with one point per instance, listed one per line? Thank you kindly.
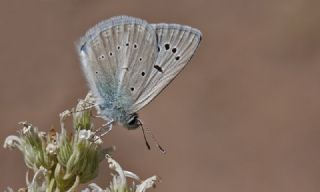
(116, 56)
(176, 45)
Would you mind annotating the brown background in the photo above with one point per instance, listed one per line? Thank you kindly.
(243, 116)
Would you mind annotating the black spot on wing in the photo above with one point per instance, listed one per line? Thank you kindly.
(82, 48)
(167, 46)
(101, 57)
(157, 67)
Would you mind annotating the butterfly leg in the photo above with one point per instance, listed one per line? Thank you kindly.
(106, 128)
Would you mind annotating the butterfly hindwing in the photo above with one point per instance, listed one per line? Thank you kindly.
(144, 48)
(116, 55)
(176, 44)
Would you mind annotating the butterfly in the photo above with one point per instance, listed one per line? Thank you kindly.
(128, 62)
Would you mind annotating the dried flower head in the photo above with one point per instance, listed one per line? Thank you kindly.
(61, 161)
(119, 181)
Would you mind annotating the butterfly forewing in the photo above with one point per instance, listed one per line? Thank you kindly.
(176, 44)
(116, 56)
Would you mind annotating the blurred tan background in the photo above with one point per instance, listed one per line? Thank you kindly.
(243, 116)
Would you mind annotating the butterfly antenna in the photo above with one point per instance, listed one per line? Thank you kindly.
(153, 138)
(144, 136)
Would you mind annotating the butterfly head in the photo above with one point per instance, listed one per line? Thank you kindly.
(132, 121)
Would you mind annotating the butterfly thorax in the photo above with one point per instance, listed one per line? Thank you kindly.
(115, 111)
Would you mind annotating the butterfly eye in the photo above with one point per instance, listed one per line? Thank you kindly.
(133, 122)
(143, 73)
(174, 50)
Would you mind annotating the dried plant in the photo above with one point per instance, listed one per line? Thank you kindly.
(61, 161)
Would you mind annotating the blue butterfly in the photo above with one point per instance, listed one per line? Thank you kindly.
(128, 62)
